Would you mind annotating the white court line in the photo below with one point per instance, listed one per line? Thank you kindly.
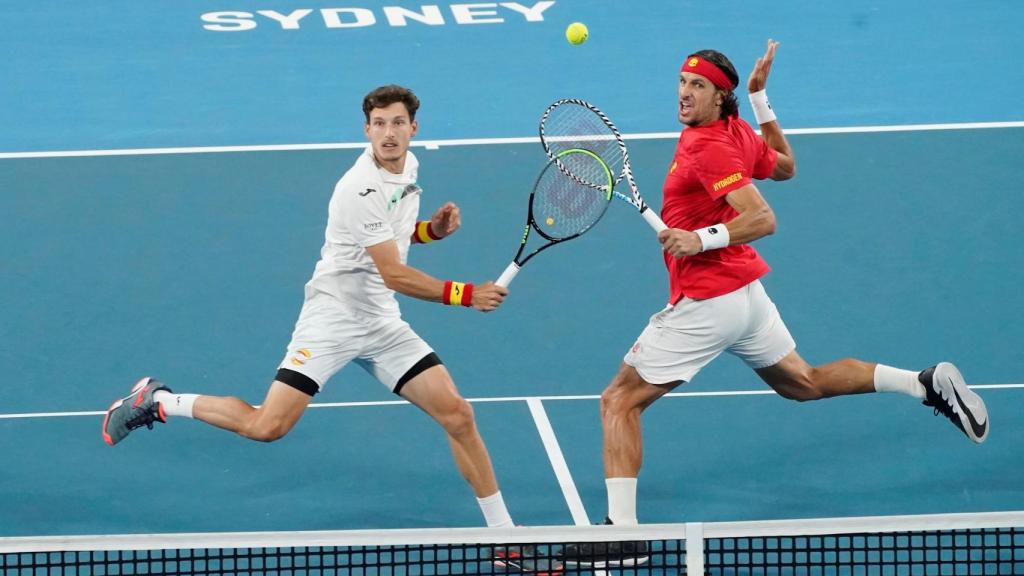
(436, 144)
(547, 435)
(493, 399)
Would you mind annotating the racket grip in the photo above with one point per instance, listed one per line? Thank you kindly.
(506, 277)
(653, 219)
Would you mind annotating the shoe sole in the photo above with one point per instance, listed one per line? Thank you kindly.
(624, 563)
(949, 383)
(117, 404)
(511, 565)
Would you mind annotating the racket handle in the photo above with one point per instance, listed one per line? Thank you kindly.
(653, 219)
(507, 276)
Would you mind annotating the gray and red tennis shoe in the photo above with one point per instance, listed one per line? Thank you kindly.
(134, 411)
(527, 559)
(946, 392)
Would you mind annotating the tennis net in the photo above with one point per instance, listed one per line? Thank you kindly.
(954, 544)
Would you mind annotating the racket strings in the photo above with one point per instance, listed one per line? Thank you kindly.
(564, 207)
(568, 125)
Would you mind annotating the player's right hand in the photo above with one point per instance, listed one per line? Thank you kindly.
(488, 296)
(679, 243)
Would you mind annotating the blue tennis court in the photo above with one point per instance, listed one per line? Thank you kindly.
(163, 193)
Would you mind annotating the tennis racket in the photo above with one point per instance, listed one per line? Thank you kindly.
(572, 123)
(561, 207)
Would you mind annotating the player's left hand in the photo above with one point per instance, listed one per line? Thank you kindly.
(679, 243)
(759, 75)
(446, 220)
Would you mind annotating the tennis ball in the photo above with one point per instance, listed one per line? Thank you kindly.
(550, 221)
(576, 33)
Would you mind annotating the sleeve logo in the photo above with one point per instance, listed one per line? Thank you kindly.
(727, 180)
(373, 226)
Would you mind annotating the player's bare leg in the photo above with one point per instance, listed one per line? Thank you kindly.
(434, 392)
(151, 401)
(795, 379)
(941, 387)
(622, 402)
(279, 412)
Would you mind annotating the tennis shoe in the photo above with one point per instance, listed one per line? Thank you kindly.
(524, 558)
(134, 411)
(948, 394)
(606, 554)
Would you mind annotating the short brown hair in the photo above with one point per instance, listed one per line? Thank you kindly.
(387, 95)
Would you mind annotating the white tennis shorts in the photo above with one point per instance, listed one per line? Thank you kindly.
(328, 336)
(682, 339)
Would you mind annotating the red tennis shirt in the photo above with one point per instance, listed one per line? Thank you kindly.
(710, 162)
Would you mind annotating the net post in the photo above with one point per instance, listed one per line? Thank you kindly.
(695, 548)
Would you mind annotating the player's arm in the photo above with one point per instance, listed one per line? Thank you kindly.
(410, 281)
(755, 220)
(445, 221)
(785, 164)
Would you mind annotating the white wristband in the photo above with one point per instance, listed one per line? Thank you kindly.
(713, 237)
(762, 109)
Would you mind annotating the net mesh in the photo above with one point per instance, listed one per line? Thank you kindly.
(663, 557)
(906, 546)
(925, 553)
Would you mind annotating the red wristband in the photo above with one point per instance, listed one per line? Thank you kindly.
(457, 293)
(423, 233)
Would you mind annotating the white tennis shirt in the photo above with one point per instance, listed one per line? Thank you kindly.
(369, 206)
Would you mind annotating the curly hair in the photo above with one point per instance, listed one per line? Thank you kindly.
(387, 95)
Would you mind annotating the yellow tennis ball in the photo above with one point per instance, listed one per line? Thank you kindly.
(550, 221)
(576, 33)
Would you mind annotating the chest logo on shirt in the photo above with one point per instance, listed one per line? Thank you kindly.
(727, 180)
(368, 191)
(400, 193)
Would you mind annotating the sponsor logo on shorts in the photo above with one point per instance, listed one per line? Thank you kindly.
(373, 226)
(727, 180)
(673, 168)
(636, 347)
(300, 357)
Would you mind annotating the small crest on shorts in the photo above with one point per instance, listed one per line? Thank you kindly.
(300, 357)
(636, 347)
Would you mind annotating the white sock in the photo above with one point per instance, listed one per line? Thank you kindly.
(889, 379)
(175, 404)
(495, 513)
(621, 501)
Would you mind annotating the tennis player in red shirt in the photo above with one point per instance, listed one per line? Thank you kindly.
(717, 304)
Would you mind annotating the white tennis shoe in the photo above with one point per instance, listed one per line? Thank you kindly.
(948, 394)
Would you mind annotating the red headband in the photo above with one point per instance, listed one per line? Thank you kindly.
(698, 65)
